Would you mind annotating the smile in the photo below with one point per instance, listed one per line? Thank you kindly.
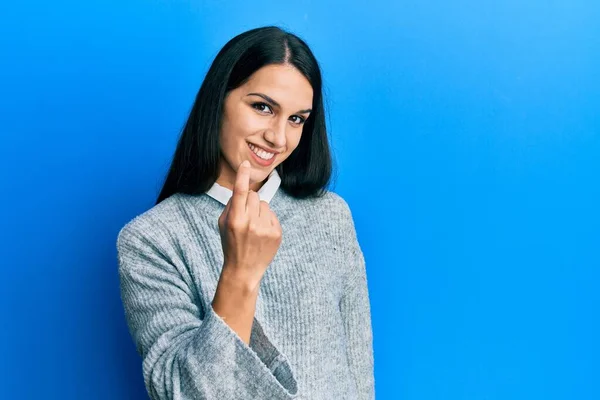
(261, 153)
(261, 157)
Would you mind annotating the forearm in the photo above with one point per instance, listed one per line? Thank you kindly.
(188, 350)
(235, 302)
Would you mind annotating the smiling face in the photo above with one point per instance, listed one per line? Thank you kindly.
(267, 112)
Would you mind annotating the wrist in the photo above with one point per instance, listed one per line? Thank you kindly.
(236, 282)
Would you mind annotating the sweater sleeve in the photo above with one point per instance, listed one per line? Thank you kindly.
(187, 350)
(356, 313)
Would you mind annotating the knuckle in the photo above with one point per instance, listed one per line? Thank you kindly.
(235, 224)
(254, 227)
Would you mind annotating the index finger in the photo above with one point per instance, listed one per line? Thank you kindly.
(241, 187)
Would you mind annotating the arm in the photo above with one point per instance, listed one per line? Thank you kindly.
(188, 350)
(235, 303)
(356, 314)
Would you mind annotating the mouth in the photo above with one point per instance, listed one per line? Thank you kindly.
(260, 156)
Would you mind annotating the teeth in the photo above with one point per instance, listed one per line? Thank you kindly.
(261, 153)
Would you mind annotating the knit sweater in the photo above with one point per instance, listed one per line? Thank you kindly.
(311, 336)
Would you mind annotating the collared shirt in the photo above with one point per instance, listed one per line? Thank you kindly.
(266, 192)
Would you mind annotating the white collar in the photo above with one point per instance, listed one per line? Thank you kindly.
(266, 192)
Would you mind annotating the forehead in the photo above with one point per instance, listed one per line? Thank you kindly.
(283, 83)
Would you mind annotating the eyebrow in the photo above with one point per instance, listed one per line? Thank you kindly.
(276, 104)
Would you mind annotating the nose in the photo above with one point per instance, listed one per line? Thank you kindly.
(275, 135)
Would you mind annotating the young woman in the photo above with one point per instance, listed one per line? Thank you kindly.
(246, 279)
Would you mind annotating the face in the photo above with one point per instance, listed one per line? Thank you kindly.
(265, 116)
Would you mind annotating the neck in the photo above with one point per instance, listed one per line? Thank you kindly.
(227, 179)
(253, 186)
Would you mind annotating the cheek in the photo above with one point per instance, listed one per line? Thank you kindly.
(240, 124)
(254, 124)
(292, 142)
(247, 120)
(294, 139)
(247, 123)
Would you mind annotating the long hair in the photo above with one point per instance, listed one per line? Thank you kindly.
(195, 165)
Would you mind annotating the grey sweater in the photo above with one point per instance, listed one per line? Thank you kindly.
(311, 336)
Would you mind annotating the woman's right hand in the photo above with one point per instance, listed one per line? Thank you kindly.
(250, 232)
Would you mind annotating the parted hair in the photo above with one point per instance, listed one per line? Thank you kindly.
(195, 164)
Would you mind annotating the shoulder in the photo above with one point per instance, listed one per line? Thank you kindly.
(329, 201)
(339, 203)
(337, 206)
(152, 223)
(332, 210)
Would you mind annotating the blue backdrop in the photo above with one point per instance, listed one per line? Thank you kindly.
(467, 136)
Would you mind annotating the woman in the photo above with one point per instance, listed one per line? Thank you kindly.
(246, 279)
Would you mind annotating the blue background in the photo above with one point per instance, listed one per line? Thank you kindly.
(467, 136)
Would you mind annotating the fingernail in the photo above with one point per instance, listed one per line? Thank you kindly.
(245, 163)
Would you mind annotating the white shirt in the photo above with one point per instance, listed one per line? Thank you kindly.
(266, 192)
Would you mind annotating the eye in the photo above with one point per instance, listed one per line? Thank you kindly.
(258, 106)
(300, 120)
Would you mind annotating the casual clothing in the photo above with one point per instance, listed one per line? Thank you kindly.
(311, 337)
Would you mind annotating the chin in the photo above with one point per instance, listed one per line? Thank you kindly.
(257, 175)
